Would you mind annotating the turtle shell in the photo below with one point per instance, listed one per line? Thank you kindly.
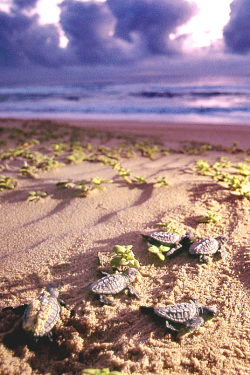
(179, 313)
(205, 246)
(165, 238)
(110, 284)
(41, 315)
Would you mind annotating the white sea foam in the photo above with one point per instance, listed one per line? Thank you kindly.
(215, 104)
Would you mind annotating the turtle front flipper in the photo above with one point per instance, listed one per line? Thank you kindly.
(105, 300)
(204, 259)
(191, 325)
(223, 252)
(170, 327)
(175, 250)
(133, 292)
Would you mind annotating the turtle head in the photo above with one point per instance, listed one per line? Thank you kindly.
(131, 273)
(187, 239)
(208, 312)
(53, 290)
(222, 239)
(190, 235)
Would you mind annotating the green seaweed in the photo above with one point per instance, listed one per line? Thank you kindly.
(123, 256)
(36, 195)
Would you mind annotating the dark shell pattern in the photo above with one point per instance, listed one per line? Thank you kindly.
(110, 284)
(51, 319)
(205, 246)
(179, 313)
(164, 237)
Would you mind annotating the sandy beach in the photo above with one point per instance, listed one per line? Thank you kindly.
(63, 237)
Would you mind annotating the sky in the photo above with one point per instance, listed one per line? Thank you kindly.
(78, 41)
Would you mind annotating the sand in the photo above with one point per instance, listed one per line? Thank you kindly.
(57, 239)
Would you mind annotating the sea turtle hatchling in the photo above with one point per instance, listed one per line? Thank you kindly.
(182, 318)
(114, 283)
(208, 246)
(42, 313)
(173, 240)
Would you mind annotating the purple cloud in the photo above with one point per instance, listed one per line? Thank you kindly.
(25, 4)
(123, 30)
(152, 21)
(108, 33)
(237, 31)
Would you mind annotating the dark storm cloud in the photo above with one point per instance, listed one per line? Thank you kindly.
(123, 30)
(152, 20)
(11, 25)
(24, 41)
(88, 26)
(111, 32)
(237, 31)
(25, 4)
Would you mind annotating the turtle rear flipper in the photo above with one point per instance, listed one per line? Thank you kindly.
(223, 252)
(191, 325)
(133, 292)
(105, 300)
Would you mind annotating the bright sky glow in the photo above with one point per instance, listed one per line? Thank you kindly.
(207, 26)
(50, 13)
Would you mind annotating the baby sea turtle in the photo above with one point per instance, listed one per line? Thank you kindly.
(173, 240)
(209, 246)
(114, 283)
(182, 318)
(42, 313)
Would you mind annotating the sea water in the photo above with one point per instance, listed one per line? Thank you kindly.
(159, 102)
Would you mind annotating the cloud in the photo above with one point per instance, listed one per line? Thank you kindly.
(237, 31)
(88, 26)
(107, 33)
(25, 4)
(152, 20)
(24, 41)
(123, 30)
(11, 25)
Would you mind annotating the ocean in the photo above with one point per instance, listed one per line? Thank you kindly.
(201, 104)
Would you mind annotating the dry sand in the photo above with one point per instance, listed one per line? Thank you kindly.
(57, 240)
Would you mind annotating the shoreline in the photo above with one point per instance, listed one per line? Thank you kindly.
(164, 131)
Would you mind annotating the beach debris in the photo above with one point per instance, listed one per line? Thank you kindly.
(29, 170)
(47, 163)
(42, 313)
(125, 174)
(203, 167)
(161, 181)
(114, 284)
(223, 163)
(123, 256)
(141, 179)
(104, 371)
(208, 246)
(168, 243)
(182, 318)
(209, 217)
(36, 195)
(168, 226)
(85, 186)
(7, 183)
